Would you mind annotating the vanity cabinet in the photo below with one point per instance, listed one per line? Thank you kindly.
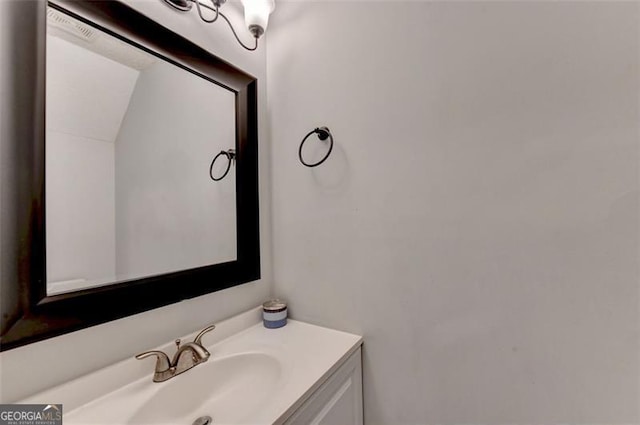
(338, 401)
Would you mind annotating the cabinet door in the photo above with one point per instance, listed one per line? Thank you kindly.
(338, 401)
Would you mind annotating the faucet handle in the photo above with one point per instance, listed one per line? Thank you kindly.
(198, 339)
(162, 363)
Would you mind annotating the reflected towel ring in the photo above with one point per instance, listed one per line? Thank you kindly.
(323, 134)
(230, 154)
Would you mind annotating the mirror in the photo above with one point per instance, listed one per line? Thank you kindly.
(132, 219)
(129, 141)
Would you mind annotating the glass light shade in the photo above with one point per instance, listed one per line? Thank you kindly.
(256, 13)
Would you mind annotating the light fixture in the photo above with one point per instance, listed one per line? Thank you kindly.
(256, 14)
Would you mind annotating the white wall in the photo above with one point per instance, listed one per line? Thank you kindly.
(37, 366)
(80, 162)
(80, 211)
(477, 221)
(170, 215)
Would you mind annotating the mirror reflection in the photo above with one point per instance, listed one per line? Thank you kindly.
(129, 143)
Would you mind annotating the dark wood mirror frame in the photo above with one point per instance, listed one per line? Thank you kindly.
(34, 316)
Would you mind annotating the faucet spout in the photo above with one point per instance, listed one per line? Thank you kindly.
(187, 355)
(192, 352)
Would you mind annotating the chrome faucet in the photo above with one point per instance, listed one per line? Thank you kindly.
(187, 355)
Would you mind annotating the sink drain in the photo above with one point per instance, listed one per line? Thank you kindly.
(203, 420)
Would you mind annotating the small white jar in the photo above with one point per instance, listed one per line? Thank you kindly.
(274, 314)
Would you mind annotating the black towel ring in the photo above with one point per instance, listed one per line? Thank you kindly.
(323, 134)
(230, 154)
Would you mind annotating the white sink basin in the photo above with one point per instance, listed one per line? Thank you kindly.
(229, 389)
(254, 376)
(219, 388)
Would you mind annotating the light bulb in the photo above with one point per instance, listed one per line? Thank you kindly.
(256, 15)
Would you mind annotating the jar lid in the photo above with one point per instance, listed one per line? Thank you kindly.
(274, 305)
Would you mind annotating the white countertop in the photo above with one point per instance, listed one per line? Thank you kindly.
(254, 376)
